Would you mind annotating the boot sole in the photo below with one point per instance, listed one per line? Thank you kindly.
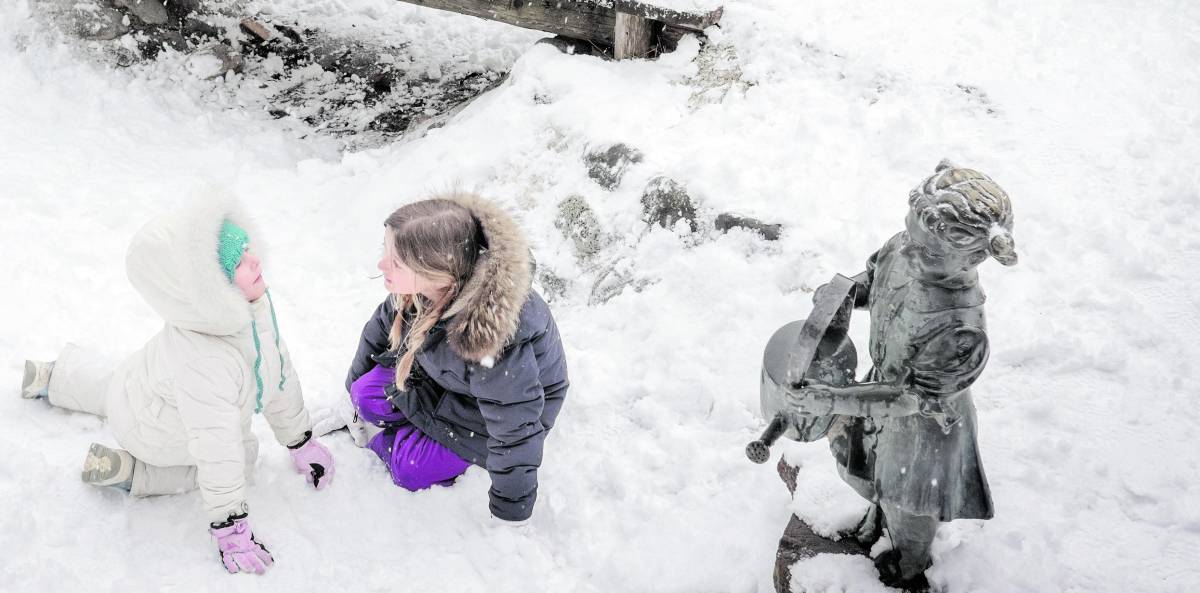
(102, 466)
(30, 376)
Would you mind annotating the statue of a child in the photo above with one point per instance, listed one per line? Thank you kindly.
(905, 439)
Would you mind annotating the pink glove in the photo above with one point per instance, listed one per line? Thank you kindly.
(312, 459)
(240, 552)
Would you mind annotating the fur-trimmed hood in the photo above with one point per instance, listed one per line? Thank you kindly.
(485, 316)
(172, 262)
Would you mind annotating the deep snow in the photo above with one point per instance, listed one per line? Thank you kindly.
(826, 114)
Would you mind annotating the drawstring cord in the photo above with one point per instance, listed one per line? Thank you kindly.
(258, 406)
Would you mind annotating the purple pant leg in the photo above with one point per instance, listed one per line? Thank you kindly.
(369, 399)
(416, 461)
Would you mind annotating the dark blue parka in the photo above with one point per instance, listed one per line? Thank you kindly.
(492, 374)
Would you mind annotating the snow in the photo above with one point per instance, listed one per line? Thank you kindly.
(820, 115)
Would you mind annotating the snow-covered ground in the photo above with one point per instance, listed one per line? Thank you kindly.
(820, 115)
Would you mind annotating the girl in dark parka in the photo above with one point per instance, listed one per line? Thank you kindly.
(472, 371)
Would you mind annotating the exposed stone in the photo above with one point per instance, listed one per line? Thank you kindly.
(577, 221)
(194, 27)
(553, 285)
(179, 10)
(151, 12)
(159, 38)
(799, 541)
(788, 473)
(213, 61)
(665, 202)
(607, 165)
(256, 30)
(98, 22)
(728, 221)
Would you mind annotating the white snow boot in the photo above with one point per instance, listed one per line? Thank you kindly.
(108, 467)
(343, 415)
(37, 379)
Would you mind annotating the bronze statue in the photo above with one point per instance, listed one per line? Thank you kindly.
(904, 438)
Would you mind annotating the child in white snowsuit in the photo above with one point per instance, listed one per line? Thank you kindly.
(181, 406)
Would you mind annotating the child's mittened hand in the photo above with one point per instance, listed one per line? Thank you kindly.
(240, 552)
(314, 461)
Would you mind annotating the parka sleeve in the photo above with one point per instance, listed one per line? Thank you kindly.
(511, 400)
(286, 413)
(373, 341)
(207, 393)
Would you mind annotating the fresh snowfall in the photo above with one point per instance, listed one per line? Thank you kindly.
(817, 115)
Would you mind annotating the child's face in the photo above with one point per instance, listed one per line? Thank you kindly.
(400, 279)
(248, 276)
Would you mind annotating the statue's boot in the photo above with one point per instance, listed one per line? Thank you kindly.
(868, 530)
(904, 565)
(890, 565)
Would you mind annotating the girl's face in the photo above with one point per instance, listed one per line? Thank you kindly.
(938, 257)
(399, 279)
(248, 276)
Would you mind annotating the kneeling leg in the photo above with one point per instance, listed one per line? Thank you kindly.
(415, 460)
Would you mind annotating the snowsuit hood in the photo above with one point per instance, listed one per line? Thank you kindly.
(188, 396)
(172, 262)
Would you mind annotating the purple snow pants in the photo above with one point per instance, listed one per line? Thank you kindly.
(415, 461)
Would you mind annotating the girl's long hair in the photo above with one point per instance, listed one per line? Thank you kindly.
(439, 240)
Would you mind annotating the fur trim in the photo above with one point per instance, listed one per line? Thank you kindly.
(487, 312)
(172, 262)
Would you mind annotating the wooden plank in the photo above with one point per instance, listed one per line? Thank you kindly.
(580, 19)
(594, 21)
(696, 21)
(632, 37)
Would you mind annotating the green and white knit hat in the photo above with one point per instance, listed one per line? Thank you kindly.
(231, 244)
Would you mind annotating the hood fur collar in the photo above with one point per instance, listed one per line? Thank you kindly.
(172, 262)
(487, 312)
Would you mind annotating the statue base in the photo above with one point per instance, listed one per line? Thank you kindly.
(799, 541)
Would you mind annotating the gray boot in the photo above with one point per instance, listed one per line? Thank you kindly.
(37, 379)
(108, 467)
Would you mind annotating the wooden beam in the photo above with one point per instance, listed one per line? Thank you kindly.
(628, 26)
(633, 36)
(587, 20)
(696, 21)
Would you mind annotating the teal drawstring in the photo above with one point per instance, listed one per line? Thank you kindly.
(257, 363)
(275, 323)
(258, 355)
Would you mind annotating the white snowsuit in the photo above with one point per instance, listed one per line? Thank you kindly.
(182, 404)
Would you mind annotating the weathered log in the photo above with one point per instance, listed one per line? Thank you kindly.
(594, 21)
(580, 20)
(696, 21)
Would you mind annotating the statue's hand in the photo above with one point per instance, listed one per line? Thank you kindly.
(905, 404)
(811, 398)
(903, 377)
